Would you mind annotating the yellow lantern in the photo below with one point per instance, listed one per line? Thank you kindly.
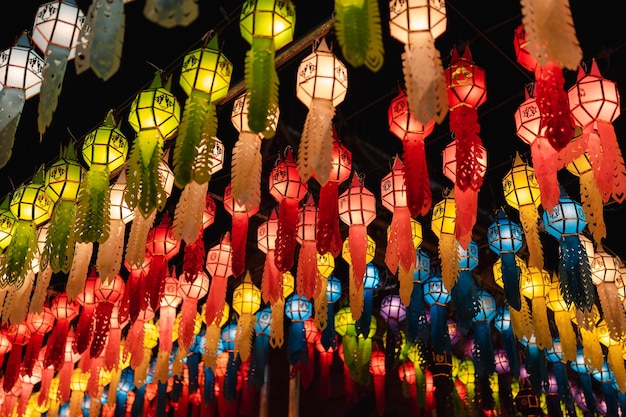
(443, 225)
(78, 385)
(246, 302)
(535, 285)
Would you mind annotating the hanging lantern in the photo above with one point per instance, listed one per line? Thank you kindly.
(288, 190)
(565, 222)
(443, 225)
(8, 223)
(32, 207)
(104, 150)
(417, 326)
(595, 104)
(359, 33)
(55, 33)
(19, 335)
(64, 311)
(170, 300)
(522, 192)
(205, 78)
(21, 74)
(562, 318)
(218, 265)
(412, 133)
(39, 325)
(107, 294)
(246, 302)
(333, 290)
(535, 285)
(267, 26)
(307, 282)
(393, 311)
(272, 281)
(328, 233)
(604, 272)
(483, 351)
(162, 247)
(505, 240)
(83, 332)
(464, 292)
(247, 162)
(417, 24)
(62, 179)
(297, 309)
(466, 90)
(239, 231)
(378, 371)
(261, 347)
(436, 296)
(155, 116)
(321, 85)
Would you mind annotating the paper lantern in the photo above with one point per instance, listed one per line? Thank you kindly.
(55, 33)
(83, 333)
(464, 292)
(8, 223)
(378, 371)
(39, 325)
(288, 189)
(604, 272)
(240, 216)
(393, 311)
(307, 269)
(417, 24)
(328, 233)
(562, 318)
(535, 285)
(155, 116)
(261, 347)
(359, 33)
(417, 327)
(104, 150)
(21, 75)
(205, 78)
(267, 26)
(505, 240)
(219, 267)
(443, 225)
(64, 311)
(297, 309)
(371, 281)
(523, 54)
(522, 192)
(108, 294)
(436, 296)
(565, 222)
(271, 284)
(321, 84)
(412, 133)
(162, 247)
(246, 302)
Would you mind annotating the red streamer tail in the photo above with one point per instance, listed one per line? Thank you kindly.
(307, 269)
(239, 240)
(12, 368)
(194, 259)
(138, 298)
(416, 178)
(616, 175)
(155, 280)
(466, 209)
(215, 300)
(327, 216)
(464, 124)
(112, 350)
(55, 351)
(545, 161)
(286, 235)
(32, 352)
(553, 103)
(102, 324)
(357, 239)
(189, 310)
(325, 360)
(379, 391)
(272, 281)
(83, 333)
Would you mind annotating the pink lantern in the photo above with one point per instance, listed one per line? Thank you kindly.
(87, 300)
(239, 231)
(272, 281)
(403, 124)
(190, 292)
(64, 311)
(218, 265)
(39, 325)
(108, 294)
(18, 335)
(307, 277)
(162, 246)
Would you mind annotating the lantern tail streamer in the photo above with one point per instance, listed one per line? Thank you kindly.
(19, 255)
(329, 339)
(188, 214)
(591, 200)
(575, 275)
(243, 336)
(612, 309)
(540, 323)
(211, 346)
(545, 163)
(216, 299)
(587, 388)
(18, 309)
(553, 103)
(449, 255)
(203, 166)
(615, 360)
(112, 349)
(562, 382)
(193, 259)
(327, 216)
(189, 310)
(170, 14)
(363, 321)
(136, 245)
(510, 278)
(307, 269)
(286, 235)
(484, 393)
(439, 336)
(12, 367)
(357, 299)
(277, 336)
(40, 292)
(246, 170)
(528, 218)
(602, 163)
(359, 34)
(567, 335)
(80, 268)
(424, 78)
(272, 281)
(83, 332)
(199, 119)
(260, 353)
(611, 150)
(230, 380)
(32, 352)
(536, 366)
(416, 320)
(101, 327)
(464, 123)
(465, 297)
(466, 208)
(155, 280)
(239, 241)
(357, 240)
(111, 252)
(321, 303)
(55, 346)
(405, 282)
(92, 211)
(145, 190)
(12, 102)
(315, 151)
(510, 348)
(53, 74)
(418, 191)
(261, 82)
(521, 321)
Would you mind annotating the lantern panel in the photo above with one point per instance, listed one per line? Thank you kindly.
(422, 266)
(357, 205)
(58, 23)
(8, 223)
(285, 181)
(246, 298)
(371, 279)
(268, 19)
(520, 185)
(403, 124)
(118, 207)
(502, 319)
(501, 361)
(465, 83)
(370, 252)
(21, 67)
(407, 17)
(288, 284)
(63, 179)
(263, 323)
(522, 52)
(566, 218)
(444, 217)
(206, 70)
(468, 258)
(534, 282)
(504, 236)
(298, 308)
(161, 240)
(434, 292)
(218, 260)
(487, 311)
(321, 76)
(604, 268)
(155, 108)
(325, 264)
(594, 98)
(110, 291)
(267, 233)
(392, 308)
(105, 146)
(528, 121)
(170, 296)
(31, 203)
(195, 289)
(393, 187)
(333, 289)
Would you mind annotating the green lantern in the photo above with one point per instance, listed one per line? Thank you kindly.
(104, 150)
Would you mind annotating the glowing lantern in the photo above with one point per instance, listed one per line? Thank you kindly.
(565, 222)
(260, 350)
(595, 104)
(535, 285)
(55, 33)
(522, 192)
(78, 385)
(21, 76)
(562, 319)
(321, 85)
(32, 207)
(412, 133)
(155, 116)
(307, 275)
(297, 309)
(267, 26)
(8, 223)
(357, 209)
(377, 368)
(39, 325)
(359, 33)
(466, 92)
(134, 342)
(523, 54)
(246, 302)
(18, 335)
(104, 150)
(393, 312)
(205, 78)
(443, 225)
(436, 296)
(169, 302)
(271, 284)
(108, 294)
(333, 293)
(417, 24)
(218, 265)
(505, 240)
(288, 190)
(191, 293)
(64, 311)
(88, 303)
(604, 272)
(328, 233)
(239, 232)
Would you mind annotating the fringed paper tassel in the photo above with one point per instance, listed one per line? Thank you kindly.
(136, 245)
(40, 292)
(357, 243)
(424, 78)
(575, 274)
(239, 235)
(287, 232)
(359, 33)
(12, 102)
(112, 349)
(449, 256)
(612, 309)
(439, 336)
(19, 335)
(111, 252)
(591, 200)
(567, 335)
(536, 366)
(327, 217)
(246, 169)
(216, 299)
(155, 279)
(18, 308)
(315, 150)
(194, 259)
(483, 351)
(521, 321)
(356, 297)
(365, 307)
(59, 245)
(307, 269)
(322, 304)
(416, 178)
(92, 211)
(591, 347)
(79, 271)
(587, 388)
(277, 336)
(417, 326)
(187, 224)
(615, 360)
(529, 217)
(243, 336)
(296, 343)
(19, 255)
(510, 279)
(258, 362)
(562, 382)
(465, 297)
(261, 82)
(553, 103)
(272, 281)
(545, 164)
(211, 347)
(101, 325)
(53, 75)
(400, 247)
(540, 323)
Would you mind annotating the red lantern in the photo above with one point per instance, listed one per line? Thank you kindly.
(239, 231)
(403, 124)
(288, 189)
(466, 92)
(162, 246)
(272, 281)
(87, 300)
(190, 292)
(135, 298)
(194, 257)
(306, 279)
(167, 312)
(328, 235)
(218, 265)
(108, 294)
(377, 369)
(595, 104)
(522, 53)
(64, 311)
(39, 325)
(18, 335)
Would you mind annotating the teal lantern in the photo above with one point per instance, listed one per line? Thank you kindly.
(333, 294)
(464, 291)
(371, 280)
(261, 347)
(505, 240)
(417, 322)
(483, 346)
(437, 297)
(566, 222)
(297, 309)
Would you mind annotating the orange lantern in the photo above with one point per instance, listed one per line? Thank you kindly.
(307, 276)
(218, 265)
(239, 231)
(288, 189)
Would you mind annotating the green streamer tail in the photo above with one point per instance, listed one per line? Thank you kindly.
(92, 211)
(59, 246)
(19, 255)
(261, 82)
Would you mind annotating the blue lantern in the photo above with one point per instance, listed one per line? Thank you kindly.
(371, 280)
(333, 294)
(580, 366)
(297, 309)
(565, 222)
(536, 367)
(483, 347)
(416, 320)
(261, 348)
(437, 297)
(505, 239)
(559, 368)
(464, 293)
(125, 385)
